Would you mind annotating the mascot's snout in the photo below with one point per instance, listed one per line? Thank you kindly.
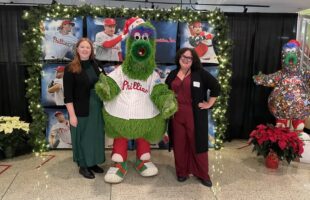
(291, 58)
(141, 50)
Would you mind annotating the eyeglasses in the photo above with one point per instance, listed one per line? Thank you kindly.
(185, 58)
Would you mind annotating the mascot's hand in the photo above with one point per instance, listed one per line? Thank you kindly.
(102, 87)
(258, 79)
(165, 100)
(106, 88)
(270, 80)
(170, 106)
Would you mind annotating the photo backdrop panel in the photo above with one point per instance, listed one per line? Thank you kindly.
(199, 35)
(104, 37)
(166, 33)
(58, 133)
(213, 70)
(52, 85)
(60, 37)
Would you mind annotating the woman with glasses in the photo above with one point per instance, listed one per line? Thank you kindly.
(188, 129)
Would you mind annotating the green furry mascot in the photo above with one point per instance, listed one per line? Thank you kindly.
(137, 104)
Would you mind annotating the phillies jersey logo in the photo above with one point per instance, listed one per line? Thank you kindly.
(61, 41)
(133, 86)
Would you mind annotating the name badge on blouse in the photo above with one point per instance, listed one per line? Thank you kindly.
(196, 84)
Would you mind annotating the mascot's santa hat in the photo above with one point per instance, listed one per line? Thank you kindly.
(132, 23)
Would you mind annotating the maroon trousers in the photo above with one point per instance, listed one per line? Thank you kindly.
(187, 161)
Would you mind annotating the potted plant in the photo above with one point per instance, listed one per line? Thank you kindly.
(13, 134)
(276, 144)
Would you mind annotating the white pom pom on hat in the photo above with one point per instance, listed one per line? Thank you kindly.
(134, 22)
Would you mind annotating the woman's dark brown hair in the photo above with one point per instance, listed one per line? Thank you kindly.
(75, 65)
(196, 64)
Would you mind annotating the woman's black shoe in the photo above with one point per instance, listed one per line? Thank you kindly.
(182, 178)
(96, 169)
(86, 173)
(207, 183)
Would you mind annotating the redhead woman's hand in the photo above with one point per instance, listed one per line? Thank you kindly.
(73, 121)
(204, 105)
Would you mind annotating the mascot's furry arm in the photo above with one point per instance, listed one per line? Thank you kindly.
(165, 100)
(106, 88)
(269, 80)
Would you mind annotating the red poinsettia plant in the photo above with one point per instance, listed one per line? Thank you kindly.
(285, 143)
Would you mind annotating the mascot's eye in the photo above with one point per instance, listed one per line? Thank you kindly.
(292, 50)
(287, 50)
(137, 36)
(145, 36)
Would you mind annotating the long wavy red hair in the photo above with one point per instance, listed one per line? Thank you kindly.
(75, 65)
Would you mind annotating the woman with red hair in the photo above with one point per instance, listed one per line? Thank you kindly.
(84, 108)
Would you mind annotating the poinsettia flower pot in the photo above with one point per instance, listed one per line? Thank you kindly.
(272, 161)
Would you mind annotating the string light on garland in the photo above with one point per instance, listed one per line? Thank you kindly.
(32, 53)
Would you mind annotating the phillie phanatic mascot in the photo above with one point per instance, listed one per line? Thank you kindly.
(136, 103)
(289, 100)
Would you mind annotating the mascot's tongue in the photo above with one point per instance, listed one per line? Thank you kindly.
(141, 52)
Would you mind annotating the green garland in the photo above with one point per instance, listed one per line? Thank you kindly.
(32, 53)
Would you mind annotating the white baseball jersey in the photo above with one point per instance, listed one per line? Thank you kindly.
(59, 95)
(110, 54)
(133, 101)
(57, 45)
(61, 131)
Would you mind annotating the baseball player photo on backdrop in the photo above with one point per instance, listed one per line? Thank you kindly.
(52, 85)
(58, 133)
(107, 36)
(199, 35)
(60, 37)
